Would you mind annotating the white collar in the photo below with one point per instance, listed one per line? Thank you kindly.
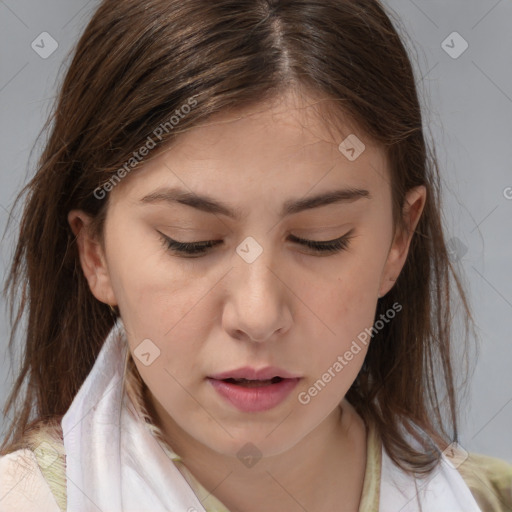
(113, 462)
(443, 489)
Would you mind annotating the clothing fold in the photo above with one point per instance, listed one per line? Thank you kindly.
(113, 461)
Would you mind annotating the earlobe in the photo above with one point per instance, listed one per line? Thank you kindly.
(413, 208)
(92, 257)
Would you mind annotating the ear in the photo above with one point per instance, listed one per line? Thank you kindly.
(92, 257)
(412, 210)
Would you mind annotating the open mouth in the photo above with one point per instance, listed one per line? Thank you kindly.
(246, 383)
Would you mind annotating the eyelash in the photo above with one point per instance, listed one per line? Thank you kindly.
(199, 248)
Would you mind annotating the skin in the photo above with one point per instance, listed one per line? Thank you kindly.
(291, 307)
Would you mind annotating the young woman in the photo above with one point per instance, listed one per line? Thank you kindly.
(234, 276)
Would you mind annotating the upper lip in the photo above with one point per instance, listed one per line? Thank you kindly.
(253, 374)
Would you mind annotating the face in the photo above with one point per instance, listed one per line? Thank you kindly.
(256, 296)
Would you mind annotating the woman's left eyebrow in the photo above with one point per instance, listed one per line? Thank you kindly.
(208, 204)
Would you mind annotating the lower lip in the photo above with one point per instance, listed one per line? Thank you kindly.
(254, 399)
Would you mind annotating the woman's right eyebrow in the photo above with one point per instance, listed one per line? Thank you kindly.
(208, 204)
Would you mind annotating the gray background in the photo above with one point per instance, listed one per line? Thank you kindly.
(468, 108)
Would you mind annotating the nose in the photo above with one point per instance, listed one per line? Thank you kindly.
(258, 305)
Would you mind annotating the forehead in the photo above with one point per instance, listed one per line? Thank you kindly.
(290, 122)
(284, 143)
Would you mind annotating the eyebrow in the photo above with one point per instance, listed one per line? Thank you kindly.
(290, 207)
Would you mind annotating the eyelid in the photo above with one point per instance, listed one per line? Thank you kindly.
(200, 248)
(300, 239)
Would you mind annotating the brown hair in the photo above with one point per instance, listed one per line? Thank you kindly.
(137, 63)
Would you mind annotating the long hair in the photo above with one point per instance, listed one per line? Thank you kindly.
(152, 69)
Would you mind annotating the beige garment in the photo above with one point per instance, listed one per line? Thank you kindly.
(35, 478)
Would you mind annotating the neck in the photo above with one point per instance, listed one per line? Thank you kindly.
(325, 469)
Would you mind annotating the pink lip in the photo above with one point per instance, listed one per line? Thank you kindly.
(254, 399)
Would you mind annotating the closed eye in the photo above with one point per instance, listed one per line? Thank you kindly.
(190, 249)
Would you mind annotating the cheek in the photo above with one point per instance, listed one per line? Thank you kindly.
(351, 314)
(150, 290)
(350, 298)
(174, 348)
(336, 358)
(347, 304)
